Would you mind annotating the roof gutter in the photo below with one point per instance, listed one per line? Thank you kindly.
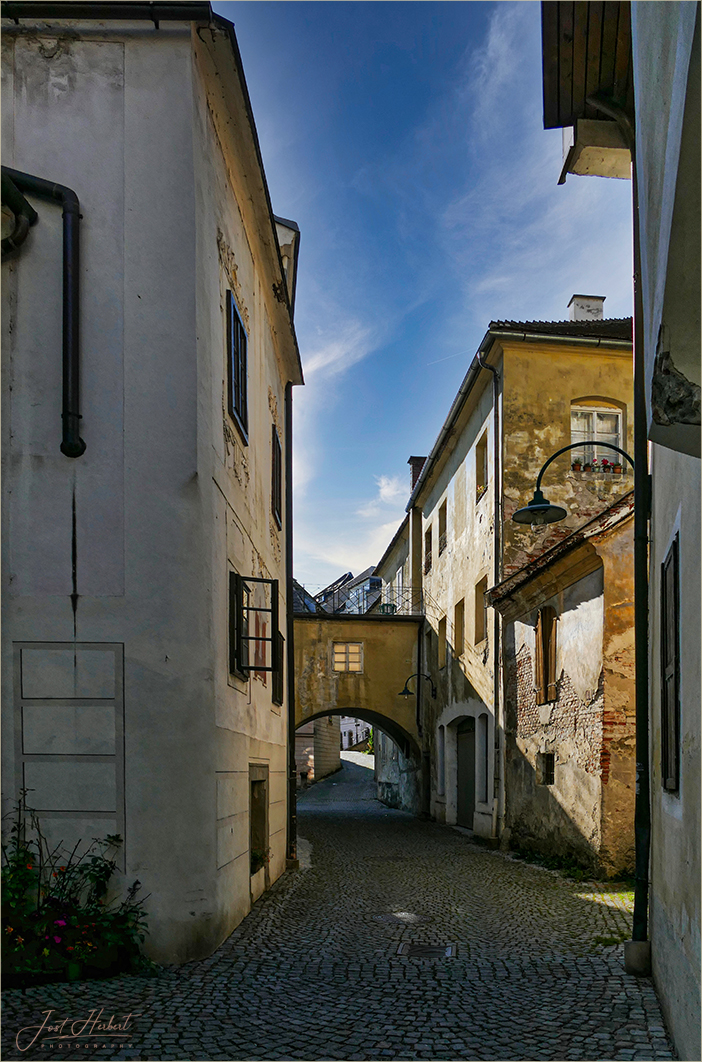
(154, 12)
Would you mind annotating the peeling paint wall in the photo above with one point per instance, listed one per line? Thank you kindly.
(541, 381)
(587, 813)
(389, 658)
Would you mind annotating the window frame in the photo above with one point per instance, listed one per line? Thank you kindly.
(670, 668)
(480, 611)
(428, 548)
(237, 369)
(443, 641)
(276, 478)
(589, 453)
(459, 627)
(240, 639)
(346, 670)
(443, 523)
(481, 459)
(277, 683)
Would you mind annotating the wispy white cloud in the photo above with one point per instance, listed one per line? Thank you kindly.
(392, 491)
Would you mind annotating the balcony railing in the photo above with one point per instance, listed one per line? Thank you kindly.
(388, 600)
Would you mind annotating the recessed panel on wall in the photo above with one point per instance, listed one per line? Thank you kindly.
(69, 722)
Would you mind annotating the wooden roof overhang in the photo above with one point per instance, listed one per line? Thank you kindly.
(586, 50)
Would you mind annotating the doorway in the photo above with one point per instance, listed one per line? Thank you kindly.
(465, 735)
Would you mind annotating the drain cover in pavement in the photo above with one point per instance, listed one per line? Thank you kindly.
(427, 951)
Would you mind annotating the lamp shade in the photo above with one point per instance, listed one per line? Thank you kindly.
(539, 511)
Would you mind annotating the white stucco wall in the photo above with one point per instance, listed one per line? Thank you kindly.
(163, 509)
(675, 850)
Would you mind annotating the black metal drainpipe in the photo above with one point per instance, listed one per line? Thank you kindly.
(71, 444)
(642, 509)
(292, 778)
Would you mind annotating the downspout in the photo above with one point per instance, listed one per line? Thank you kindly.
(497, 566)
(291, 860)
(634, 961)
(71, 444)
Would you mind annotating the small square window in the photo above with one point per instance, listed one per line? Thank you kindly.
(348, 656)
(546, 768)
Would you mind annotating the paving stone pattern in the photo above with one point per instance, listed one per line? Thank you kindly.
(314, 974)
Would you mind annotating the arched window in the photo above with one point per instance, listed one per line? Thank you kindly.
(598, 420)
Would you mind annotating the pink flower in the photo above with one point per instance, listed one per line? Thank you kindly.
(59, 922)
(57, 939)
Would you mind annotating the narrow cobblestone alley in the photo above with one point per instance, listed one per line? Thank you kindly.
(323, 968)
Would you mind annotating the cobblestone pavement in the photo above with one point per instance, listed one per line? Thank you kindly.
(315, 972)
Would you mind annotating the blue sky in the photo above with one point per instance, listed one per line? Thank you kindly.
(406, 140)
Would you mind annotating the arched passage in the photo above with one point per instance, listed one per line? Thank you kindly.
(404, 741)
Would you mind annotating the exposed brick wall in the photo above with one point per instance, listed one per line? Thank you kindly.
(571, 718)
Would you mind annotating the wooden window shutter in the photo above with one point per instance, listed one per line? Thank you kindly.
(545, 662)
(550, 620)
(540, 671)
(670, 664)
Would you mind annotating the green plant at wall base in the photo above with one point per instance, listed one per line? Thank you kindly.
(259, 858)
(56, 921)
(370, 747)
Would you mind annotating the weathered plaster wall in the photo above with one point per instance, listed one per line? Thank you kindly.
(590, 727)
(675, 849)
(397, 776)
(563, 818)
(465, 680)
(540, 383)
(389, 658)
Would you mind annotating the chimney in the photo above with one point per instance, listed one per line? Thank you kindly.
(586, 307)
(416, 465)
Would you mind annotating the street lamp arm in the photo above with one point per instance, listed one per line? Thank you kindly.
(418, 674)
(573, 446)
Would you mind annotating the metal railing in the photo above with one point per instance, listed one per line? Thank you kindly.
(384, 600)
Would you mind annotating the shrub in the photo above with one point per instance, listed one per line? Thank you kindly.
(56, 920)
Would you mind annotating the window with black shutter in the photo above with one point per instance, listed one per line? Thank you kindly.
(237, 369)
(277, 477)
(670, 670)
(545, 664)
